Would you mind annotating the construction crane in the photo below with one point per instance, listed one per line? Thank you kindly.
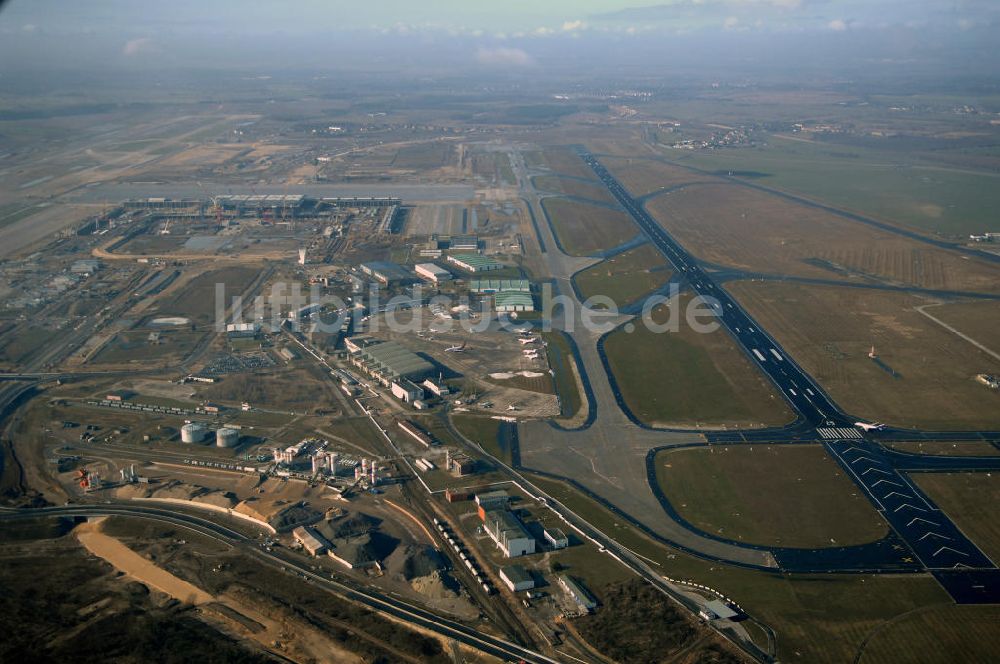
(259, 206)
(284, 203)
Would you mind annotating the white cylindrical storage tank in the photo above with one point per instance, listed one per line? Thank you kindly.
(226, 437)
(193, 433)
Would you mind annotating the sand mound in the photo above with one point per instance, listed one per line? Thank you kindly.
(501, 375)
(178, 491)
(279, 514)
(218, 498)
(413, 561)
(530, 374)
(434, 586)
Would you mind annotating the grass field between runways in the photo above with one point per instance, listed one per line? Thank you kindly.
(789, 496)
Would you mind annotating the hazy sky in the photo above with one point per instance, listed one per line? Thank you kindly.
(512, 33)
(505, 19)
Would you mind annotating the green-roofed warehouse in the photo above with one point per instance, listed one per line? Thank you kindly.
(387, 361)
(474, 263)
(499, 286)
(513, 301)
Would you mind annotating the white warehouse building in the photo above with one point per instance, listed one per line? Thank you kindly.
(432, 272)
(508, 534)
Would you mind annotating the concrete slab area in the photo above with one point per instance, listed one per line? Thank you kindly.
(608, 456)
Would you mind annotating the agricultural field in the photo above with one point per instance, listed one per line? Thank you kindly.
(584, 229)
(971, 500)
(686, 379)
(932, 197)
(625, 277)
(937, 635)
(924, 376)
(771, 495)
(644, 175)
(758, 232)
(574, 187)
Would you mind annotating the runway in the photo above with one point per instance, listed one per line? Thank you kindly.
(795, 385)
(935, 542)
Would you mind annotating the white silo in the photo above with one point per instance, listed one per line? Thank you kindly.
(302, 256)
(318, 461)
(226, 437)
(332, 463)
(193, 433)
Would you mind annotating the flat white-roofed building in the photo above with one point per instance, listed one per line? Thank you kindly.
(508, 533)
(436, 388)
(407, 391)
(85, 266)
(516, 578)
(577, 593)
(385, 272)
(237, 330)
(432, 272)
(416, 433)
(556, 538)
(464, 243)
(311, 541)
(491, 500)
(716, 609)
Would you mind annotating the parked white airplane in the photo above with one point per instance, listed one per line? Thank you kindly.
(528, 340)
(512, 407)
(456, 349)
(874, 426)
